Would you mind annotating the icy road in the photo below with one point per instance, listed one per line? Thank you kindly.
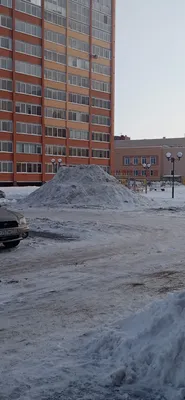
(55, 292)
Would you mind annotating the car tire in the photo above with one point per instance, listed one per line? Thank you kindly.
(10, 245)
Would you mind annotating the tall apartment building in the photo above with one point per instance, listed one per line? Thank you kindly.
(57, 68)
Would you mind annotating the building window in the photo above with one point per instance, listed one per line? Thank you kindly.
(6, 166)
(101, 52)
(136, 161)
(53, 75)
(78, 80)
(101, 86)
(153, 160)
(78, 27)
(26, 108)
(28, 69)
(100, 120)
(54, 150)
(54, 18)
(100, 137)
(143, 172)
(78, 99)
(136, 172)
(100, 22)
(27, 48)
(79, 13)
(6, 105)
(78, 152)
(101, 69)
(6, 63)
(100, 103)
(151, 172)
(79, 45)
(29, 168)
(29, 129)
(78, 116)
(28, 88)
(55, 113)
(58, 6)
(5, 43)
(55, 37)
(6, 147)
(126, 160)
(78, 63)
(101, 35)
(6, 84)
(59, 58)
(6, 21)
(54, 94)
(6, 3)
(143, 160)
(28, 8)
(6, 126)
(28, 148)
(100, 153)
(78, 135)
(53, 131)
(29, 29)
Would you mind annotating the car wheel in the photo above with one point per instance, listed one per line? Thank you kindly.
(10, 245)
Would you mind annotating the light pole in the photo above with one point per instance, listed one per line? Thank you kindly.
(146, 167)
(173, 159)
(56, 164)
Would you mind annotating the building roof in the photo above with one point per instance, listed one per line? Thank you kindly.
(168, 142)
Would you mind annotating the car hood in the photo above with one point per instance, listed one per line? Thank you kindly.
(9, 215)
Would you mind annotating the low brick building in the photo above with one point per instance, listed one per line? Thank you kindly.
(130, 155)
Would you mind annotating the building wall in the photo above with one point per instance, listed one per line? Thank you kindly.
(135, 157)
(53, 49)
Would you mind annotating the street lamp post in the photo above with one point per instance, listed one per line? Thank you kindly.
(56, 163)
(173, 159)
(146, 167)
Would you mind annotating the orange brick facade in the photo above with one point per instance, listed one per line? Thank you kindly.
(41, 127)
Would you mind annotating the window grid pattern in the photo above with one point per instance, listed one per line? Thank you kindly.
(27, 108)
(27, 48)
(29, 29)
(6, 105)
(28, 69)
(28, 88)
(78, 80)
(100, 120)
(28, 148)
(100, 137)
(78, 152)
(5, 21)
(28, 8)
(5, 43)
(54, 75)
(78, 99)
(29, 168)
(6, 126)
(78, 116)
(29, 129)
(78, 135)
(101, 86)
(54, 56)
(6, 147)
(54, 18)
(100, 103)
(78, 45)
(53, 131)
(54, 150)
(6, 63)
(55, 94)
(55, 37)
(57, 113)
(6, 84)
(96, 153)
(6, 166)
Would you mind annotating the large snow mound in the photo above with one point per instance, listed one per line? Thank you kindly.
(85, 186)
(145, 353)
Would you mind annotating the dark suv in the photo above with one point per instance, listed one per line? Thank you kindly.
(13, 227)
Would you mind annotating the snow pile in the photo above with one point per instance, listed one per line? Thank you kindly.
(85, 186)
(146, 352)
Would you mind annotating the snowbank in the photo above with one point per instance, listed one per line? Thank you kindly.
(146, 352)
(85, 186)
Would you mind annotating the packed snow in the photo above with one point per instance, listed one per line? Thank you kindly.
(87, 186)
(79, 299)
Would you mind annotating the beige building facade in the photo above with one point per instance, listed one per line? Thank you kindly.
(130, 155)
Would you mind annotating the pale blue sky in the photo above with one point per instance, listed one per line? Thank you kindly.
(150, 68)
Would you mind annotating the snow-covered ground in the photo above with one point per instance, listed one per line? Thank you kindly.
(68, 295)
